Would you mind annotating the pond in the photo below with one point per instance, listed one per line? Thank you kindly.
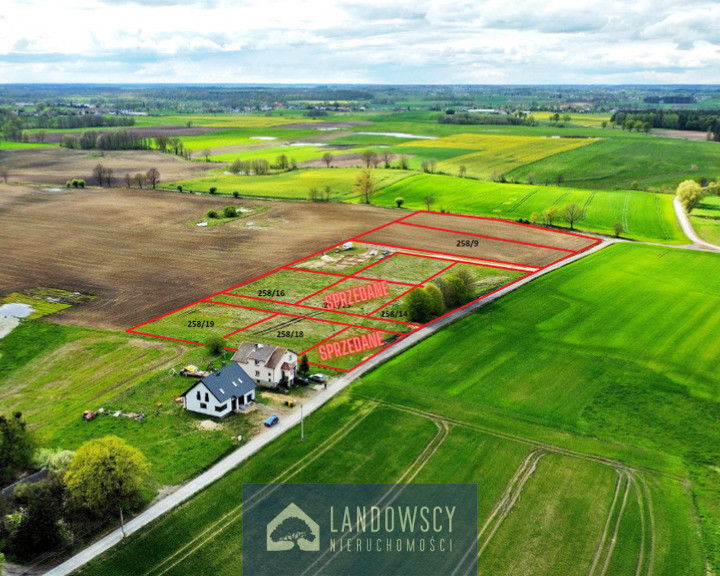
(10, 315)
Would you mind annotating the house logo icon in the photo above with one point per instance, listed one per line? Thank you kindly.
(293, 529)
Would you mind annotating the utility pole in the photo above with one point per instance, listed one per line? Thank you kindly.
(302, 423)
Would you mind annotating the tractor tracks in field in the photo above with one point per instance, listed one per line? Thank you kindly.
(545, 446)
(427, 452)
(509, 498)
(234, 515)
(606, 546)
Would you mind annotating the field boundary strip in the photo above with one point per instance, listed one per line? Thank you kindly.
(301, 311)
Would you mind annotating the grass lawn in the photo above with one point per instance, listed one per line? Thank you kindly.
(645, 216)
(53, 373)
(705, 218)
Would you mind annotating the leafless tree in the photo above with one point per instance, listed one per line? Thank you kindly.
(139, 179)
(327, 158)
(153, 177)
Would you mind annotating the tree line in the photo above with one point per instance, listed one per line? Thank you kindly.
(704, 121)
(517, 118)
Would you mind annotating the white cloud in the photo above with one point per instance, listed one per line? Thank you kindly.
(543, 41)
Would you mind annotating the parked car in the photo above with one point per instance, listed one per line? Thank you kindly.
(317, 377)
(272, 421)
(301, 381)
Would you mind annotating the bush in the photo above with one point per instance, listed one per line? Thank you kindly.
(179, 188)
(236, 194)
(68, 184)
(399, 201)
(229, 212)
(75, 183)
(81, 183)
(214, 345)
(211, 214)
(213, 189)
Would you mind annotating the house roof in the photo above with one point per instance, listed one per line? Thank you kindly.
(228, 382)
(270, 356)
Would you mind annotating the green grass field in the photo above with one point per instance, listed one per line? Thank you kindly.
(53, 373)
(485, 155)
(644, 216)
(293, 185)
(705, 218)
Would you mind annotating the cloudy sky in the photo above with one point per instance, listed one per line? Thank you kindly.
(367, 41)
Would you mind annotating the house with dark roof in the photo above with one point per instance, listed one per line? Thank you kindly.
(224, 391)
(269, 366)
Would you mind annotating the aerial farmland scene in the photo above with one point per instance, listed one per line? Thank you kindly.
(422, 289)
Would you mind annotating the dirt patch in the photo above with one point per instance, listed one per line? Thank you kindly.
(145, 132)
(58, 165)
(135, 251)
(681, 134)
(208, 425)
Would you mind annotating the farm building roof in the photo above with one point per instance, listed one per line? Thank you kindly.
(270, 356)
(228, 382)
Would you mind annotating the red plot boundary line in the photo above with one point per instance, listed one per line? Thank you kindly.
(166, 337)
(320, 309)
(250, 326)
(325, 340)
(306, 317)
(456, 255)
(416, 212)
(350, 276)
(456, 261)
(485, 237)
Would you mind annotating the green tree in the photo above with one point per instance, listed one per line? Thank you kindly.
(106, 475)
(404, 162)
(212, 189)
(549, 215)
(282, 162)
(457, 292)
(572, 213)
(419, 306)
(437, 303)
(618, 228)
(206, 152)
(214, 345)
(690, 193)
(327, 158)
(399, 201)
(230, 212)
(462, 170)
(16, 446)
(39, 528)
(364, 185)
(429, 200)
(304, 367)
(211, 214)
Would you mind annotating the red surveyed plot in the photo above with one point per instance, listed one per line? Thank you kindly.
(344, 305)
(348, 348)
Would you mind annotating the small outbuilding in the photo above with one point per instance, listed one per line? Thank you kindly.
(220, 393)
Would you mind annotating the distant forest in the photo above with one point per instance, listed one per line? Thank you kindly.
(702, 120)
